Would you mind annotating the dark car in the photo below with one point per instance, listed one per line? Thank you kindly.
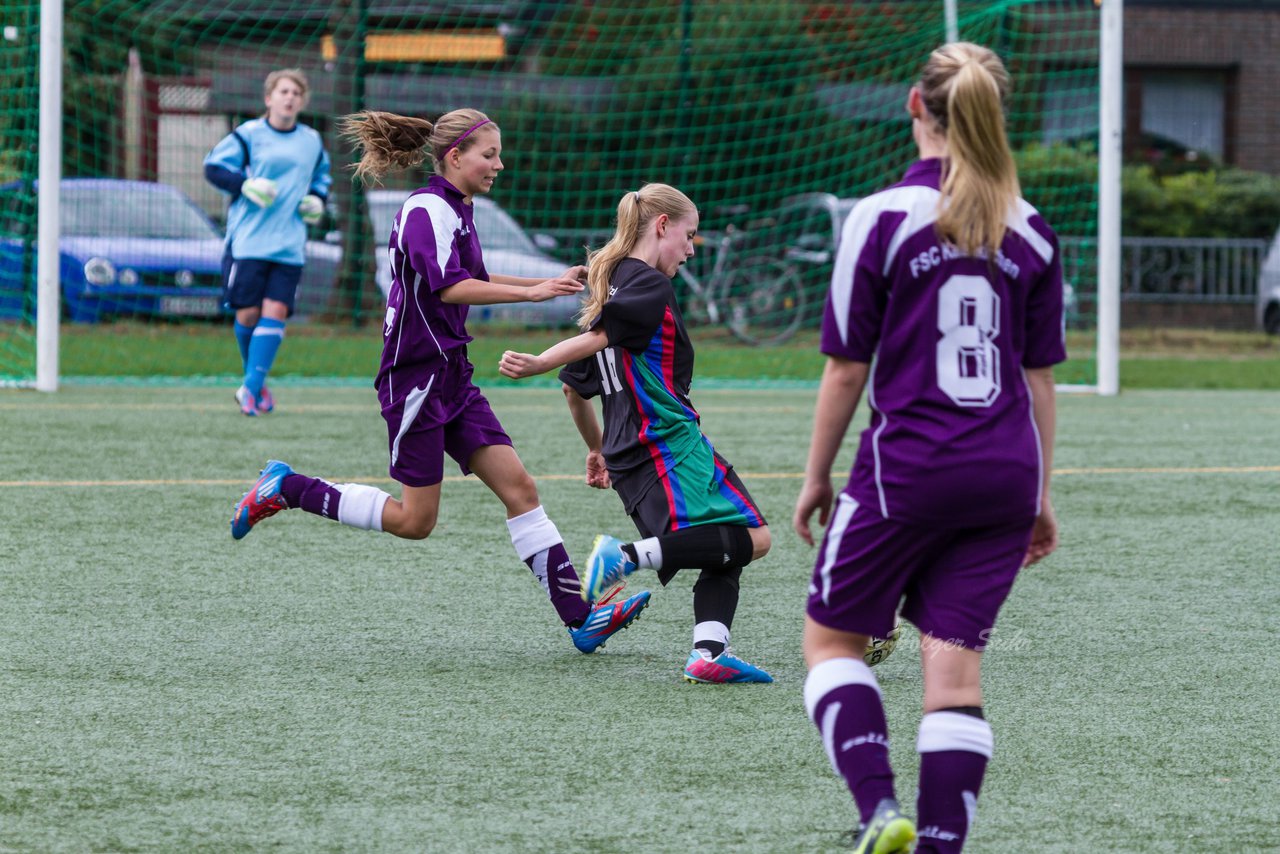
(134, 248)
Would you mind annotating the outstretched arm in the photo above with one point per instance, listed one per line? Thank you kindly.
(577, 274)
(584, 418)
(838, 395)
(1044, 536)
(520, 365)
(480, 292)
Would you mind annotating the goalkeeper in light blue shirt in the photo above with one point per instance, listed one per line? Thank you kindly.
(277, 173)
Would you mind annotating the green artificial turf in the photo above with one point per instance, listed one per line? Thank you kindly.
(316, 688)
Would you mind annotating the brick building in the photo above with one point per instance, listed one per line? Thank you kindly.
(1205, 74)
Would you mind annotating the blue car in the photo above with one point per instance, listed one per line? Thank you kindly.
(132, 248)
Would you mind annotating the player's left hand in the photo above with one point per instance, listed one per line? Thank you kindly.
(311, 209)
(1044, 534)
(517, 366)
(815, 495)
(597, 473)
(556, 287)
(577, 273)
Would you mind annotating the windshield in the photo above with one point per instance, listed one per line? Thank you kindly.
(104, 212)
(497, 230)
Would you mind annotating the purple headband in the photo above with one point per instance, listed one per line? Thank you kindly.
(459, 140)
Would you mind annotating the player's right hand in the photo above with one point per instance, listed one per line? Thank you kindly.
(597, 473)
(261, 191)
(517, 366)
(556, 287)
(814, 495)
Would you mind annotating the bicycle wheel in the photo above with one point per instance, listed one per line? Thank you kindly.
(762, 301)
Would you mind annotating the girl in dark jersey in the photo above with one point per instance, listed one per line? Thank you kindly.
(685, 499)
(428, 400)
(946, 303)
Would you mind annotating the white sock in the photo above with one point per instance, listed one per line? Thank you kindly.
(955, 731)
(648, 553)
(533, 532)
(711, 630)
(361, 506)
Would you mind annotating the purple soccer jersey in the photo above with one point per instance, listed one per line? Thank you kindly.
(433, 245)
(951, 442)
(428, 400)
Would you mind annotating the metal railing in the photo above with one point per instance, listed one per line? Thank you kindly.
(1174, 269)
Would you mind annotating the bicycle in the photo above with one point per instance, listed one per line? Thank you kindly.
(759, 298)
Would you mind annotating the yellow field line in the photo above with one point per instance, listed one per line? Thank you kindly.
(746, 475)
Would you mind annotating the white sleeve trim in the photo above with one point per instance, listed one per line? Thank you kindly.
(920, 206)
(445, 222)
(1020, 223)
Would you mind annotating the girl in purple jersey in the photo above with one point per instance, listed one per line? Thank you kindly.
(430, 405)
(946, 302)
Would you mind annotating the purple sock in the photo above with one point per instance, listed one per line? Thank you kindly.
(843, 701)
(554, 569)
(311, 494)
(954, 749)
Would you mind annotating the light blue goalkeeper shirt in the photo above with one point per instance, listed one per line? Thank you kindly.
(295, 160)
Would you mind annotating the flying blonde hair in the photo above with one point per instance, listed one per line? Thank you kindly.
(963, 86)
(390, 142)
(635, 212)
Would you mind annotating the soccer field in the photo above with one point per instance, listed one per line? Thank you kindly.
(315, 688)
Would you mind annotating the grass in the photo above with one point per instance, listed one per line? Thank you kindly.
(315, 688)
(1149, 358)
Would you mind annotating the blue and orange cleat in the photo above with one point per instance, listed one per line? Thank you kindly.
(248, 403)
(261, 501)
(607, 567)
(266, 402)
(888, 832)
(606, 620)
(724, 669)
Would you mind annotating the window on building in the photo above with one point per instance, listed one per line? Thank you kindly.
(1188, 108)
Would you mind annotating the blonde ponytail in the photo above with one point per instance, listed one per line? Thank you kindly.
(635, 211)
(388, 142)
(964, 86)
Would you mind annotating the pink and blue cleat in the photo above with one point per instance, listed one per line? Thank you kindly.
(607, 567)
(262, 501)
(724, 669)
(606, 620)
(248, 403)
(266, 402)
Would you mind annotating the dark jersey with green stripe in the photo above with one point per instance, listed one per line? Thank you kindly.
(643, 378)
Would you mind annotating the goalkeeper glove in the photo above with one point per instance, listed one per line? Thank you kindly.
(311, 209)
(260, 191)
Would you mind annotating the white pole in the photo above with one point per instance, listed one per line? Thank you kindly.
(1110, 130)
(49, 230)
(953, 21)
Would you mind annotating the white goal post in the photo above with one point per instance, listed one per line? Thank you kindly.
(48, 234)
(1110, 130)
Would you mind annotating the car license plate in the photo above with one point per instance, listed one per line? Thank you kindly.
(203, 306)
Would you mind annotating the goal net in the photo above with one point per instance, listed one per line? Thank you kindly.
(771, 116)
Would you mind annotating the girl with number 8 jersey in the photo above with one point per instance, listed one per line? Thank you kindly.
(946, 303)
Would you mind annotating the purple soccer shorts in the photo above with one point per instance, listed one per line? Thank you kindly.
(446, 414)
(951, 582)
